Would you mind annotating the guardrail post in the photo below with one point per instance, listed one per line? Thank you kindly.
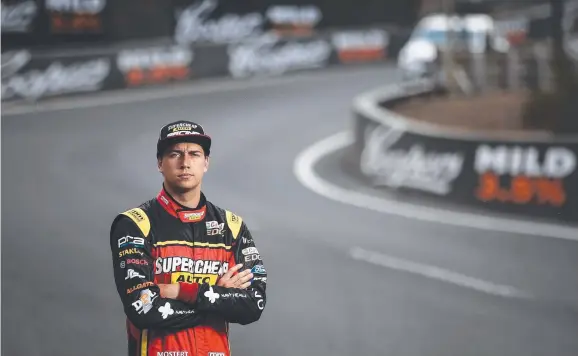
(513, 69)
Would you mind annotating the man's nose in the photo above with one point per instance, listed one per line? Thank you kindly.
(186, 161)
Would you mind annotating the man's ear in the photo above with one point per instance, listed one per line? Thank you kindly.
(159, 164)
(206, 163)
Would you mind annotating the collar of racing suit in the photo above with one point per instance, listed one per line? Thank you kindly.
(186, 215)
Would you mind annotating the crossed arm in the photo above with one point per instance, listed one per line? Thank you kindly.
(149, 305)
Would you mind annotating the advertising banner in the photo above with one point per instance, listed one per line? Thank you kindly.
(270, 54)
(530, 178)
(29, 77)
(19, 16)
(75, 16)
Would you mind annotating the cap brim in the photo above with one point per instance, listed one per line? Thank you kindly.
(203, 140)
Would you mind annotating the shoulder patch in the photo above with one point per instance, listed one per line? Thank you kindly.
(234, 222)
(140, 218)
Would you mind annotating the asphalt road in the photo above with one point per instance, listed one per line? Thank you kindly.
(66, 173)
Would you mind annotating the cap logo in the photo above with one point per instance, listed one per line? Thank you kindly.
(183, 133)
(181, 126)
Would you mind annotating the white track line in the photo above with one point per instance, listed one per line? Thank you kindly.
(438, 273)
(303, 169)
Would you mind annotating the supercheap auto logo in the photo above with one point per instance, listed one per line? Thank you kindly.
(185, 264)
(187, 277)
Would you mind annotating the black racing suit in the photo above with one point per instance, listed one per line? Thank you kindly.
(163, 242)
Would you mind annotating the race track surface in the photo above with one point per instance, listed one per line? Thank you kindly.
(66, 173)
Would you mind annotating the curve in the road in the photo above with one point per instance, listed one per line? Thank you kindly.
(71, 165)
(304, 169)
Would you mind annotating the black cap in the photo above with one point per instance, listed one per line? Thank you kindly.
(182, 131)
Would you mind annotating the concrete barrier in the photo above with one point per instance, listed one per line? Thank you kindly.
(520, 172)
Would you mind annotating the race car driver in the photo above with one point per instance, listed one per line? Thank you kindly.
(185, 268)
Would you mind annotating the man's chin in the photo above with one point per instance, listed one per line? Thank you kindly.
(183, 188)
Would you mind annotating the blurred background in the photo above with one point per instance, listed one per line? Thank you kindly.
(87, 84)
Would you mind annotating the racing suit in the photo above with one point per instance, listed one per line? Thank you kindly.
(163, 242)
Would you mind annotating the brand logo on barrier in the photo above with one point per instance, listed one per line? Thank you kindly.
(57, 79)
(293, 20)
(193, 24)
(155, 64)
(414, 167)
(523, 175)
(70, 16)
(270, 55)
(361, 46)
(18, 17)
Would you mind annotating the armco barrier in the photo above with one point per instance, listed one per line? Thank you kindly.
(32, 75)
(529, 173)
(56, 22)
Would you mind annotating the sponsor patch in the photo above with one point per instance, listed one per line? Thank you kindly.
(258, 269)
(187, 277)
(126, 241)
(166, 310)
(139, 286)
(140, 218)
(234, 222)
(130, 274)
(185, 264)
(145, 301)
(249, 251)
(211, 295)
(130, 251)
(134, 261)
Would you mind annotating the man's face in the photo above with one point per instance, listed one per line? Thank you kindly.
(183, 166)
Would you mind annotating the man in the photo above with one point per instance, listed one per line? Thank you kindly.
(184, 268)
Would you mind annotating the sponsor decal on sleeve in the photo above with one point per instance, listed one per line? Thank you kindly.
(145, 301)
(139, 286)
(130, 251)
(126, 241)
(212, 295)
(258, 269)
(166, 310)
(130, 274)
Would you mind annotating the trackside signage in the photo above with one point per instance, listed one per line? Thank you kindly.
(538, 179)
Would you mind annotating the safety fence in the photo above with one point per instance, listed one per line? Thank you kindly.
(33, 75)
(32, 23)
(529, 173)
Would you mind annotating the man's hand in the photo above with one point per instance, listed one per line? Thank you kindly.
(170, 291)
(240, 280)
